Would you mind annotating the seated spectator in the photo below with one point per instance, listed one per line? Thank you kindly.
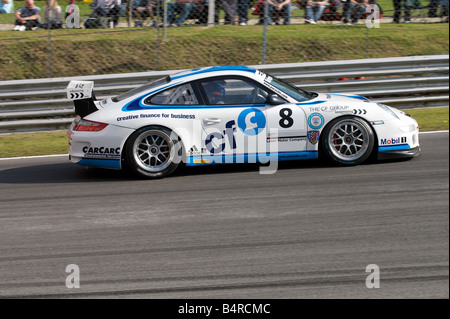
(278, 8)
(318, 6)
(359, 5)
(143, 9)
(6, 6)
(184, 7)
(27, 18)
(52, 15)
(107, 8)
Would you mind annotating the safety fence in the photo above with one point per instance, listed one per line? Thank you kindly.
(407, 82)
(209, 36)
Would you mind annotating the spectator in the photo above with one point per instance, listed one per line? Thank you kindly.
(6, 6)
(27, 18)
(433, 7)
(52, 15)
(397, 10)
(315, 5)
(242, 11)
(229, 6)
(108, 8)
(360, 6)
(184, 7)
(143, 9)
(444, 9)
(278, 8)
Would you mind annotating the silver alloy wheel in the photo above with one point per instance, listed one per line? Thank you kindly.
(152, 151)
(348, 140)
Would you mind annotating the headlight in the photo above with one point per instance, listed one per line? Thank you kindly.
(388, 109)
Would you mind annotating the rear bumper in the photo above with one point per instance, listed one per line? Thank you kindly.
(400, 153)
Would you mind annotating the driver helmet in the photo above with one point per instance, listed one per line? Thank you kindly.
(215, 91)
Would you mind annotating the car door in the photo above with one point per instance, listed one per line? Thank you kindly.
(286, 122)
(233, 119)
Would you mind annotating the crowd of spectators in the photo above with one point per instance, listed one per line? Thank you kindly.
(28, 17)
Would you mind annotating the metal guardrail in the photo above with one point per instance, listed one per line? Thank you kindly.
(406, 82)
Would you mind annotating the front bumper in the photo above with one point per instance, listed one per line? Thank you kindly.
(398, 154)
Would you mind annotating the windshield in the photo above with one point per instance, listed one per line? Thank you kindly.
(296, 93)
(140, 89)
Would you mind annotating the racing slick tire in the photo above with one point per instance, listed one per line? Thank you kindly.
(347, 140)
(153, 152)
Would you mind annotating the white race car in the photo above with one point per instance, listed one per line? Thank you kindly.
(230, 114)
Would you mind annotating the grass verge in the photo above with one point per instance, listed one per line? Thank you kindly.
(48, 143)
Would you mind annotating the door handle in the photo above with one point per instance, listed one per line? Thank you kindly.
(210, 121)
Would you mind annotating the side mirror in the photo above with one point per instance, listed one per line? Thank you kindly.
(274, 99)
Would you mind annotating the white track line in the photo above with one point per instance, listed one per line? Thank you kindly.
(29, 157)
(60, 155)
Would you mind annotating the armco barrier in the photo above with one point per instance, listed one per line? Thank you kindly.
(406, 82)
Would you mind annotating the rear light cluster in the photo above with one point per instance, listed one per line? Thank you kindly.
(88, 126)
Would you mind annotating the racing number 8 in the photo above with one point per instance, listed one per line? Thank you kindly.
(286, 120)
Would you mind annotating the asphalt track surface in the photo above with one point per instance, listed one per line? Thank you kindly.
(308, 231)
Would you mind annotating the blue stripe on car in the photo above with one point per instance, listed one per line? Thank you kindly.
(310, 103)
(213, 69)
(394, 148)
(353, 96)
(101, 163)
(251, 158)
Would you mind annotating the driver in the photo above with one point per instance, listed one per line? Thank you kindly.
(215, 91)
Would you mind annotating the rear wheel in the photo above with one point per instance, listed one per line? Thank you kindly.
(348, 140)
(153, 152)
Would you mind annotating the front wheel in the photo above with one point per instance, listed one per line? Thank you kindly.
(348, 140)
(153, 152)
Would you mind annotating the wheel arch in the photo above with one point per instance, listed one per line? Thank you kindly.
(321, 151)
(152, 126)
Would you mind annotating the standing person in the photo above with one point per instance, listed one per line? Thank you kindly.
(360, 6)
(397, 10)
(242, 11)
(27, 18)
(315, 5)
(229, 6)
(6, 6)
(52, 15)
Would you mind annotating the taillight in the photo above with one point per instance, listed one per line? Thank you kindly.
(89, 126)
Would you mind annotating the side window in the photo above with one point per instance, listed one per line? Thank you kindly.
(180, 95)
(233, 91)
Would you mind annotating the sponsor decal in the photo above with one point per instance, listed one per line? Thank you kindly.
(222, 139)
(359, 111)
(330, 108)
(193, 151)
(313, 137)
(157, 116)
(102, 152)
(316, 121)
(252, 121)
(286, 139)
(393, 141)
(201, 161)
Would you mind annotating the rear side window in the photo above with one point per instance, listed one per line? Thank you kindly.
(140, 89)
(179, 95)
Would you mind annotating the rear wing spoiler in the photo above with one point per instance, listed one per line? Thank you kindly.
(83, 97)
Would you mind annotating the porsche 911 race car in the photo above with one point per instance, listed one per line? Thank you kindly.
(230, 114)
